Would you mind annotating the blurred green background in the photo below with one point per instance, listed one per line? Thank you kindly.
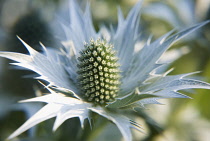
(177, 120)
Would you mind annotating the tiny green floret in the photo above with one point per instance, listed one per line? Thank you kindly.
(98, 72)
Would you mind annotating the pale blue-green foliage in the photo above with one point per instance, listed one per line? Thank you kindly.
(140, 82)
(178, 13)
(55, 108)
(146, 60)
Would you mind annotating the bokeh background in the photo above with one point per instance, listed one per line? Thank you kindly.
(175, 120)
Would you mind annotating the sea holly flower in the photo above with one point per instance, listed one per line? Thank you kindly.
(102, 73)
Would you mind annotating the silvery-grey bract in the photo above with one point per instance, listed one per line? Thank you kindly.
(102, 72)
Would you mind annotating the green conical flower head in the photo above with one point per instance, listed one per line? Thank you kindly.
(99, 73)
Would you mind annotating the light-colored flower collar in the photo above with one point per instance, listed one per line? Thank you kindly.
(102, 72)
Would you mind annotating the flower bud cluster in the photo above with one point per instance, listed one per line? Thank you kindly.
(98, 72)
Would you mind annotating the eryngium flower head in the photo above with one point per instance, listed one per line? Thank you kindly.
(98, 72)
(89, 74)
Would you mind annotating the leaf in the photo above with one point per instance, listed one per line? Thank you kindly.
(166, 11)
(142, 102)
(122, 122)
(77, 25)
(126, 101)
(167, 87)
(169, 90)
(49, 70)
(125, 37)
(58, 106)
(167, 93)
(162, 11)
(54, 98)
(187, 84)
(47, 112)
(145, 61)
(65, 92)
(161, 81)
(67, 112)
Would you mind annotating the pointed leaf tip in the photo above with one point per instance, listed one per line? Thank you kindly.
(126, 101)
(122, 122)
(40, 116)
(29, 48)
